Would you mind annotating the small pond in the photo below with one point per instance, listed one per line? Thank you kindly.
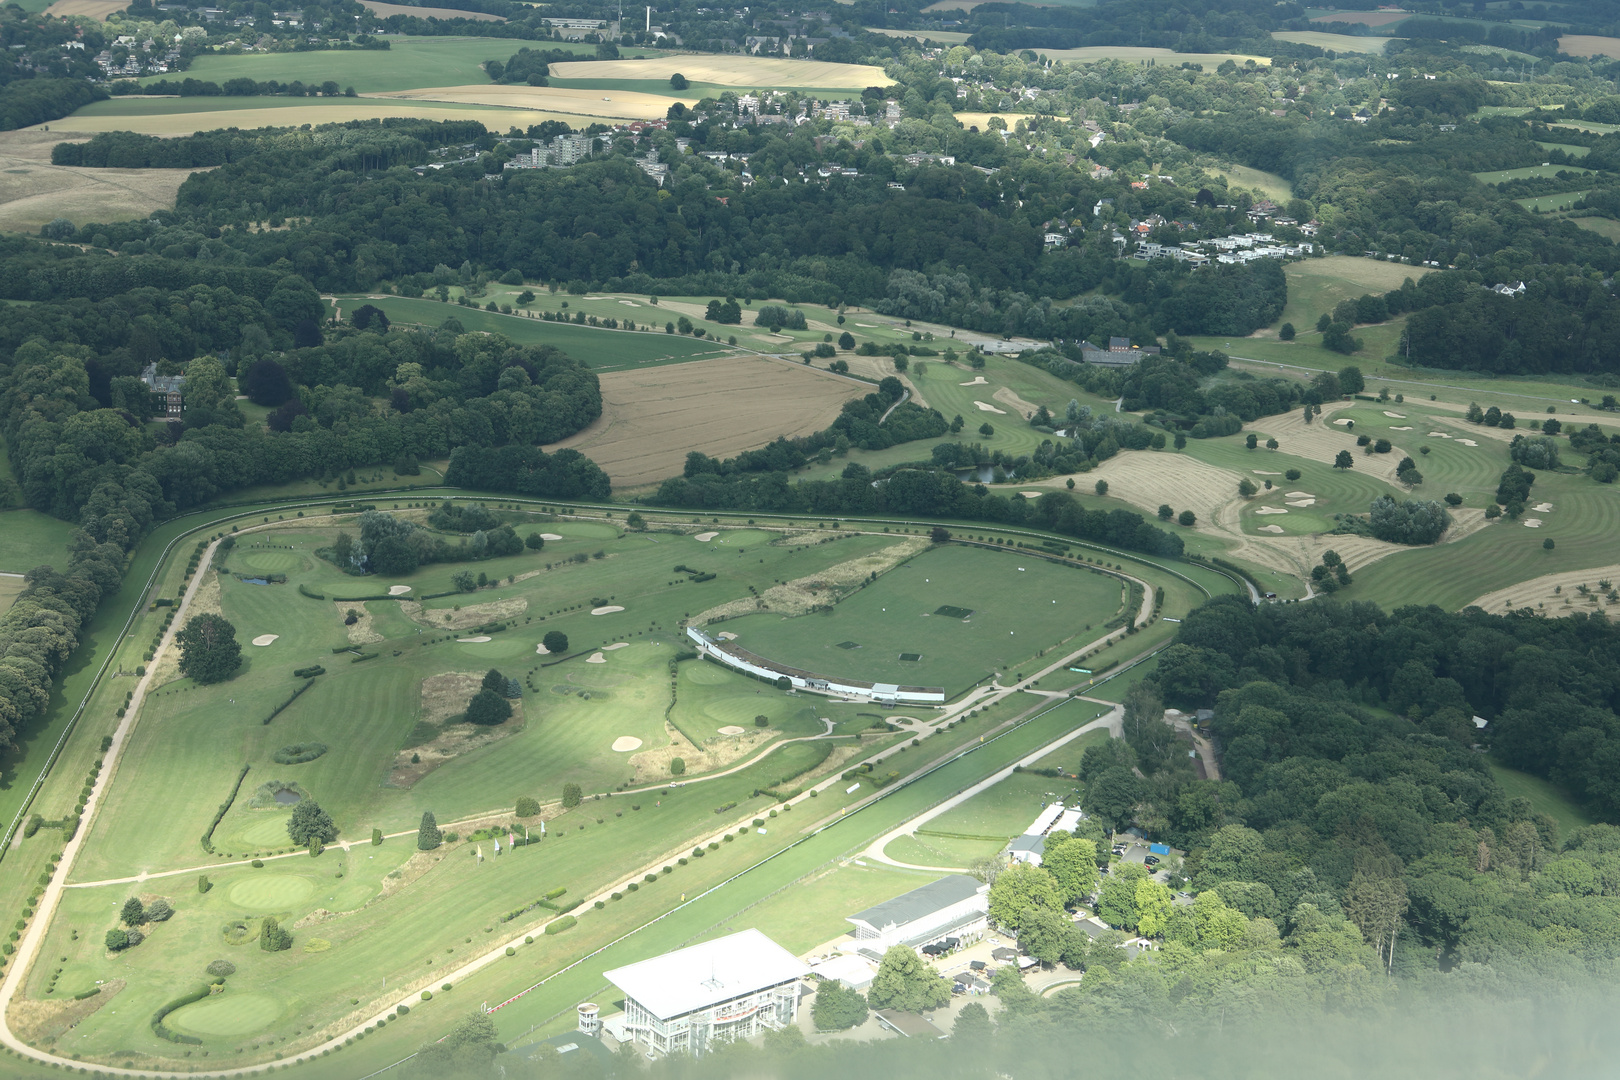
(254, 581)
(287, 797)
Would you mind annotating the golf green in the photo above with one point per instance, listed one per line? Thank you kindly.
(582, 530)
(494, 648)
(271, 892)
(742, 538)
(269, 831)
(226, 1014)
(273, 561)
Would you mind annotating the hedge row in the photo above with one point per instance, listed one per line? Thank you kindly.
(224, 808)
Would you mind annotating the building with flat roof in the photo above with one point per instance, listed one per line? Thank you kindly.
(734, 656)
(954, 906)
(689, 1000)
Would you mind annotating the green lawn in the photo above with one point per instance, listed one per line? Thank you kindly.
(1545, 798)
(410, 63)
(814, 910)
(1270, 185)
(1568, 148)
(898, 616)
(603, 350)
(29, 538)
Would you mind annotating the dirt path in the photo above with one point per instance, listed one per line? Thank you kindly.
(34, 937)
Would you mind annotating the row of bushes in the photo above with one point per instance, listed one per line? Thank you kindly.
(224, 808)
(179, 1003)
(298, 753)
(308, 672)
(290, 699)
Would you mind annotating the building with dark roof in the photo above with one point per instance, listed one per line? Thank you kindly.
(954, 906)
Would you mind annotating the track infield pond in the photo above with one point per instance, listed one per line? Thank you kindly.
(1019, 606)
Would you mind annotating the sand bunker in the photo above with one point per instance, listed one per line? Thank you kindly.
(616, 645)
(1542, 508)
(726, 635)
(1439, 434)
(1302, 502)
(1302, 495)
(1396, 415)
(978, 381)
(626, 743)
(608, 610)
(1271, 510)
(1467, 442)
(551, 536)
(542, 650)
(474, 640)
(1532, 523)
(1271, 528)
(398, 590)
(1032, 494)
(596, 658)
(731, 729)
(990, 408)
(265, 639)
(704, 538)
(1407, 427)
(1265, 472)
(1344, 422)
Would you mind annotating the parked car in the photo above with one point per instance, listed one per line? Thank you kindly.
(1152, 860)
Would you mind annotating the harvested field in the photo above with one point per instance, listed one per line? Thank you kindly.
(619, 104)
(652, 417)
(1589, 45)
(1363, 18)
(383, 11)
(33, 191)
(1092, 54)
(745, 71)
(470, 615)
(183, 116)
(1554, 594)
(1337, 42)
(90, 9)
(803, 595)
(944, 37)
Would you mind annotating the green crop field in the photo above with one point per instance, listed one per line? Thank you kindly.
(1268, 184)
(897, 616)
(1544, 203)
(1568, 148)
(409, 64)
(1600, 225)
(603, 350)
(1527, 172)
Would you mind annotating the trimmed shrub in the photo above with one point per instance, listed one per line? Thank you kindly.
(557, 926)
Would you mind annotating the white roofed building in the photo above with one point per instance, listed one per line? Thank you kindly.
(687, 1001)
(954, 906)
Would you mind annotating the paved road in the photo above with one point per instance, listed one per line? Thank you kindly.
(1111, 721)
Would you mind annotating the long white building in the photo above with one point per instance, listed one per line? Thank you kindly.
(689, 1000)
(733, 656)
(954, 906)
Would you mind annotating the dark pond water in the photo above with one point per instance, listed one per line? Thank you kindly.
(288, 797)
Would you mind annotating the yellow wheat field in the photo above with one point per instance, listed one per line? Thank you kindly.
(90, 9)
(739, 71)
(1589, 45)
(383, 11)
(309, 112)
(590, 104)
